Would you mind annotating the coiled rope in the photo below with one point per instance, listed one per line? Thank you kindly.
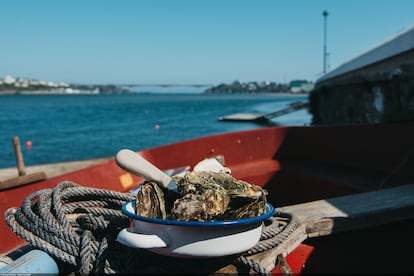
(73, 224)
(276, 230)
(78, 226)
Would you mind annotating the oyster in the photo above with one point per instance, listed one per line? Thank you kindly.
(203, 203)
(203, 196)
(219, 194)
(150, 201)
(153, 201)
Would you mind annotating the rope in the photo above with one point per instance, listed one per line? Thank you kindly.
(73, 224)
(78, 226)
(276, 230)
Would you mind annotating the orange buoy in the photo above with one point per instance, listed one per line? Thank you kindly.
(29, 144)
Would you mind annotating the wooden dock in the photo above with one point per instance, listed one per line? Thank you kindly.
(251, 117)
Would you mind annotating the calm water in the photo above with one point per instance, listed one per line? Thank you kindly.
(79, 127)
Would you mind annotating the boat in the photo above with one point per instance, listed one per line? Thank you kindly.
(349, 188)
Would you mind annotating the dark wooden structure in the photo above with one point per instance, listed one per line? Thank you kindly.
(374, 87)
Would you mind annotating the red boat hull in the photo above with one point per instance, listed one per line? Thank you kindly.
(295, 164)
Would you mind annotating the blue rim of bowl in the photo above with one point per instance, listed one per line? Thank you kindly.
(269, 213)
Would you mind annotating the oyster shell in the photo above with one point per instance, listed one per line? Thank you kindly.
(154, 201)
(201, 204)
(203, 196)
(150, 201)
(220, 195)
(200, 207)
(197, 182)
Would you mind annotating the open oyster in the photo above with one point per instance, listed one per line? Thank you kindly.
(204, 196)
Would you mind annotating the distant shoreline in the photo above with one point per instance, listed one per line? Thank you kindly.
(25, 93)
(37, 93)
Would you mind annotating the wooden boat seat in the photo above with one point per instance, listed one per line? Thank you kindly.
(344, 214)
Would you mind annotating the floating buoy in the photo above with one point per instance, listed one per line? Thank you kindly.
(29, 144)
(157, 126)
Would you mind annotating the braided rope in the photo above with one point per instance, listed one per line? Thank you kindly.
(78, 226)
(276, 230)
(72, 223)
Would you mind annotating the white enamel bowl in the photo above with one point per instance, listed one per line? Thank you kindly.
(192, 239)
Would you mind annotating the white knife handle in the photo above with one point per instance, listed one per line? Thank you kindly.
(136, 164)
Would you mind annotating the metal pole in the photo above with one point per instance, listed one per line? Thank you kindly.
(325, 16)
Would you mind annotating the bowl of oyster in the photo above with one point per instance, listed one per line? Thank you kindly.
(213, 214)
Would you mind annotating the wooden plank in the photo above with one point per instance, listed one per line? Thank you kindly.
(242, 117)
(291, 108)
(347, 213)
(22, 180)
(54, 169)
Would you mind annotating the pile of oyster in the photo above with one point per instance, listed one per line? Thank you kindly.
(202, 196)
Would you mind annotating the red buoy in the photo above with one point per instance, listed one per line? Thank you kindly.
(29, 144)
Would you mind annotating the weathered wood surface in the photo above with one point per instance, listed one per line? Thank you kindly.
(323, 217)
(22, 180)
(53, 169)
(346, 213)
(19, 156)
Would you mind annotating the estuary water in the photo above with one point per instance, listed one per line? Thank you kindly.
(79, 127)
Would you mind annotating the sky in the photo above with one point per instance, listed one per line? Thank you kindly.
(189, 41)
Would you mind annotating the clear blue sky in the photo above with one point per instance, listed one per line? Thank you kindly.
(189, 41)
